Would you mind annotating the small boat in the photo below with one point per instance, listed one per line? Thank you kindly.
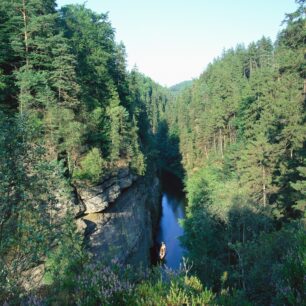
(162, 251)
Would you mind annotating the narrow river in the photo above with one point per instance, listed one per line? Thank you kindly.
(173, 209)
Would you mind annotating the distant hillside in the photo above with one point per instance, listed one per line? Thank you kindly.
(181, 86)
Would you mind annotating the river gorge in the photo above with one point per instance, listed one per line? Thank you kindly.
(142, 214)
(173, 204)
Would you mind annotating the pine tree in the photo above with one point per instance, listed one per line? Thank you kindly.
(300, 186)
(118, 117)
(134, 150)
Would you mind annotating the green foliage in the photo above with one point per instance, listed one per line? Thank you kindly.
(32, 186)
(91, 167)
(81, 114)
(167, 145)
(66, 258)
(269, 267)
(299, 186)
(118, 117)
(177, 88)
(227, 231)
(137, 159)
(290, 275)
(70, 112)
(236, 297)
(174, 290)
(241, 130)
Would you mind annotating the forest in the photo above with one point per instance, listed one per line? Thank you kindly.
(71, 113)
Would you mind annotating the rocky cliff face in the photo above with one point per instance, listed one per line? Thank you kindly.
(119, 216)
(116, 217)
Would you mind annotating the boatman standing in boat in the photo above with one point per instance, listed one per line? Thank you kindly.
(162, 251)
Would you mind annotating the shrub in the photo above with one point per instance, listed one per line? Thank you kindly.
(172, 289)
(91, 167)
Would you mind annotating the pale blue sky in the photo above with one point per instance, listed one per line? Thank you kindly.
(174, 40)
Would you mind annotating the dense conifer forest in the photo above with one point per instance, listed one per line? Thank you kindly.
(71, 112)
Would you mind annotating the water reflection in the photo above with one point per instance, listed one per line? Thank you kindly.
(173, 209)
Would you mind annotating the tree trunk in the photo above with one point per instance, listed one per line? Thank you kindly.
(264, 192)
(206, 152)
(26, 43)
(242, 269)
(229, 133)
(25, 24)
(221, 142)
(304, 89)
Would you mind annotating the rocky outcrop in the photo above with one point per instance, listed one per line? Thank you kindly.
(98, 198)
(33, 278)
(120, 214)
(117, 219)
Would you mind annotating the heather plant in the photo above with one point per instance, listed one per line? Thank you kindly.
(103, 284)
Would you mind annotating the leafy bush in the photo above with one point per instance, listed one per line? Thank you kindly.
(172, 289)
(91, 167)
(289, 276)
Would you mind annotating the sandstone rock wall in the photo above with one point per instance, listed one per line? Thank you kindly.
(119, 217)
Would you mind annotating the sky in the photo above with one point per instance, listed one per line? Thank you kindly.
(174, 40)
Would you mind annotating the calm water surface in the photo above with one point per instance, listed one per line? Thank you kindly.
(173, 209)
